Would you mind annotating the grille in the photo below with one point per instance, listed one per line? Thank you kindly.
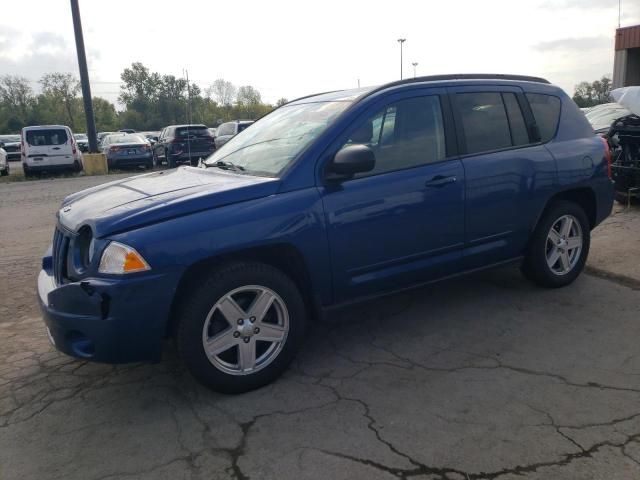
(59, 252)
(11, 148)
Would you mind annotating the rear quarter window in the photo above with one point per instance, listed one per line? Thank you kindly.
(39, 138)
(546, 111)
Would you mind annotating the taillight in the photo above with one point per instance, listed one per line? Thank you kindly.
(73, 148)
(607, 156)
(114, 149)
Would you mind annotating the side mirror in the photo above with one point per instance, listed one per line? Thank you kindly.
(351, 160)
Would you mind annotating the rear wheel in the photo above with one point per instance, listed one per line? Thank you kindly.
(559, 246)
(241, 327)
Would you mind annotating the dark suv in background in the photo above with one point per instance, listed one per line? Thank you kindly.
(325, 201)
(183, 144)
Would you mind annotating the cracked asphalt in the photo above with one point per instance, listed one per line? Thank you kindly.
(486, 377)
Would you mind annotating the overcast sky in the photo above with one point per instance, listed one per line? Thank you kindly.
(293, 48)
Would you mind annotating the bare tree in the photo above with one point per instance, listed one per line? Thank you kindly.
(222, 91)
(247, 95)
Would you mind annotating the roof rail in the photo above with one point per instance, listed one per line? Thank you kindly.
(458, 76)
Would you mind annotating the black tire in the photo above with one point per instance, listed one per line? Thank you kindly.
(77, 166)
(170, 163)
(27, 172)
(199, 301)
(535, 266)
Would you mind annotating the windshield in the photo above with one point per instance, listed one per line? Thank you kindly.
(273, 142)
(193, 131)
(125, 138)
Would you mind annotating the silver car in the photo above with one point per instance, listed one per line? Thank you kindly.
(227, 131)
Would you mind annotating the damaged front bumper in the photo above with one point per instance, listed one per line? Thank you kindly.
(112, 320)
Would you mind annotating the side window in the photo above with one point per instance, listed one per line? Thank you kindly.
(546, 111)
(484, 121)
(519, 135)
(403, 134)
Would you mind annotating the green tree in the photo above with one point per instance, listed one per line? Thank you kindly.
(589, 94)
(63, 88)
(16, 102)
(281, 102)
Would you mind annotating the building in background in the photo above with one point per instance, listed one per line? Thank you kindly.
(626, 63)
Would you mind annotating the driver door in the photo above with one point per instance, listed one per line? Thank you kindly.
(403, 222)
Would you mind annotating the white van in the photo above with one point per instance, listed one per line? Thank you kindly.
(49, 148)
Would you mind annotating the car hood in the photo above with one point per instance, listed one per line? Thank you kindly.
(145, 199)
(628, 97)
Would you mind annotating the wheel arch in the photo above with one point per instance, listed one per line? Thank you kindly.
(283, 256)
(585, 197)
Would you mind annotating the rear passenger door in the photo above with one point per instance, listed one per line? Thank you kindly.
(509, 173)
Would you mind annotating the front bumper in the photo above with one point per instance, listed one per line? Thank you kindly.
(107, 320)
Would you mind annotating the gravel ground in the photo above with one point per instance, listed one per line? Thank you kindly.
(483, 377)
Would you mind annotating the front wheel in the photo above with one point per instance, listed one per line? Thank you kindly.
(241, 327)
(559, 246)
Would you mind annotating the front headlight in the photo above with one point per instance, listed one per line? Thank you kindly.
(118, 259)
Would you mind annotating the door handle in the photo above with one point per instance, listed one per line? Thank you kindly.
(440, 181)
(55, 148)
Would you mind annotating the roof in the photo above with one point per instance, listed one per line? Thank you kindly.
(628, 37)
(38, 127)
(356, 93)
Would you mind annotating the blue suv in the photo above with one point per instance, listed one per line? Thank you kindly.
(327, 200)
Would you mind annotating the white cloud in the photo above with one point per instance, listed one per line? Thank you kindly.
(289, 48)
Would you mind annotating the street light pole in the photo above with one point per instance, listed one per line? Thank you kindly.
(84, 78)
(415, 64)
(401, 41)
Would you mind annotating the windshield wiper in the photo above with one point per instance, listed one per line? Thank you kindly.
(226, 166)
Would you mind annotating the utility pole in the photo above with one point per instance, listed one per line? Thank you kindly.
(415, 64)
(84, 78)
(401, 41)
(619, 12)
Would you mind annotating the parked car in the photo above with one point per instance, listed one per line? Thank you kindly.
(11, 146)
(179, 144)
(227, 131)
(49, 148)
(83, 141)
(602, 116)
(213, 131)
(127, 150)
(623, 136)
(325, 201)
(151, 136)
(4, 163)
(101, 136)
